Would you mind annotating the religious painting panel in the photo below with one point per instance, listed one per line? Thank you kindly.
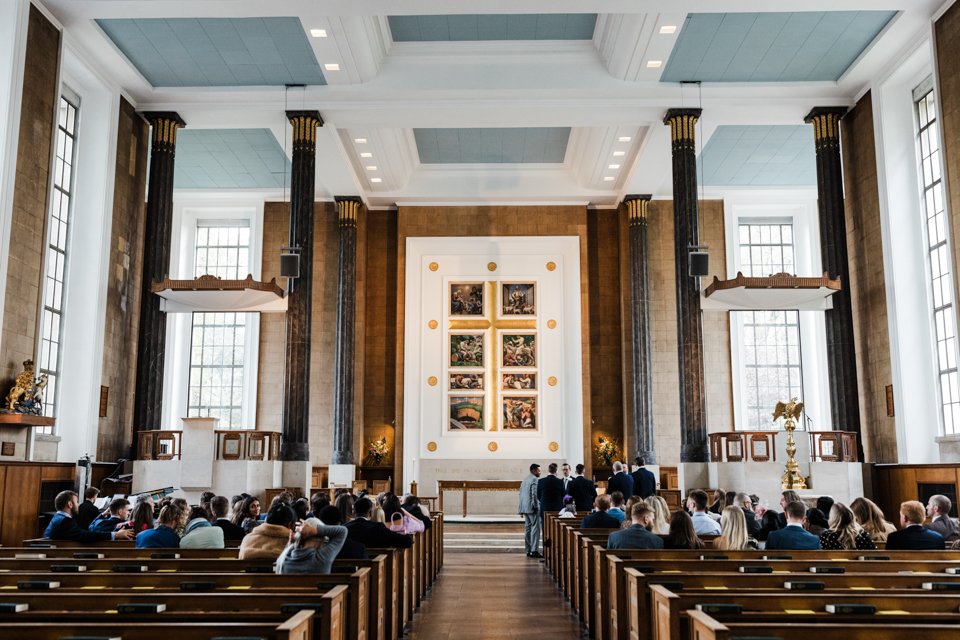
(519, 381)
(471, 381)
(518, 299)
(466, 413)
(518, 349)
(519, 413)
(466, 299)
(466, 350)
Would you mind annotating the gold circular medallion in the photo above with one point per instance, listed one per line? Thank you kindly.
(433, 324)
(431, 446)
(554, 447)
(552, 381)
(434, 266)
(432, 381)
(492, 446)
(551, 324)
(551, 266)
(491, 266)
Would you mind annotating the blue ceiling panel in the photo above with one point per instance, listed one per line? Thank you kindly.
(772, 47)
(217, 52)
(229, 159)
(530, 26)
(545, 145)
(760, 156)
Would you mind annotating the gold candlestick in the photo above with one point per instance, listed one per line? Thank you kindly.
(790, 412)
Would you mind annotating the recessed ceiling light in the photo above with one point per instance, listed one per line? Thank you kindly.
(366, 154)
(668, 29)
(318, 33)
(608, 178)
(333, 66)
(376, 180)
(371, 167)
(360, 140)
(654, 64)
(619, 154)
(613, 166)
(624, 139)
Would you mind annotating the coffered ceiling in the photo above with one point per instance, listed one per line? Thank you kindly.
(523, 102)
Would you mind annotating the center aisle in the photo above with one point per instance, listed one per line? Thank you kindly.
(494, 596)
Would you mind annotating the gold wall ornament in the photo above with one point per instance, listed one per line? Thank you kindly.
(492, 446)
(554, 447)
(552, 381)
(638, 209)
(491, 266)
(164, 125)
(433, 324)
(431, 446)
(790, 412)
(304, 125)
(551, 324)
(432, 381)
(551, 266)
(434, 266)
(348, 210)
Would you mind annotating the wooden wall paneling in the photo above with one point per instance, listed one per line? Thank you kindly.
(57, 472)
(3, 499)
(20, 497)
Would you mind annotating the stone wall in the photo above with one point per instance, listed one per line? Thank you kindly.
(947, 34)
(18, 340)
(867, 282)
(123, 278)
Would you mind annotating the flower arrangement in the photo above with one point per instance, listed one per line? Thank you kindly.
(607, 450)
(377, 450)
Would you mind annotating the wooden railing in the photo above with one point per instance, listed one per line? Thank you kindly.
(743, 446)
(833, 446)
(158, 444)
(247, 444)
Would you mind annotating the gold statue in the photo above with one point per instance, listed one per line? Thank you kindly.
(790, 412)
(26, 395)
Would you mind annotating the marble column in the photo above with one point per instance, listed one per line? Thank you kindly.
(841, 351)
(343, 364)
(296, 381)
(152, 338)
(638, 208)
(686, 217)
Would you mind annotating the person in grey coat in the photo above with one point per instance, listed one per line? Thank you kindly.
(529, 507)
(313, 549)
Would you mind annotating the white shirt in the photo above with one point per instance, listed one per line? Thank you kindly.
(705, 525)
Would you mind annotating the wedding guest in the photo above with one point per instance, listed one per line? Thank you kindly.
(681, 533)
(844, 532)
(870, 517)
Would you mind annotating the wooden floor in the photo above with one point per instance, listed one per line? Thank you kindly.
(496, 596)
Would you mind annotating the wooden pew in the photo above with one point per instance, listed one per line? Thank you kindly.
(705, 627)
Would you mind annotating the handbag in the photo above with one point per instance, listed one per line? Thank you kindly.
(397, 523)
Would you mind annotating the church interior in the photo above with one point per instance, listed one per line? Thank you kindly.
(293, 249)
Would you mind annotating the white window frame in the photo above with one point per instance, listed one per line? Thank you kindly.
(800, 207)
(179, 326)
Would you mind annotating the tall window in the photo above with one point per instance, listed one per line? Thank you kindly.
(55, 262)
(218, 340)
(770, 339)
(940, 256)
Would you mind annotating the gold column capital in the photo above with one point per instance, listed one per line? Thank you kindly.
(348, 209)
(683, 123)
(305, 125)
(164, 125)
(826, 124)
(638, 208)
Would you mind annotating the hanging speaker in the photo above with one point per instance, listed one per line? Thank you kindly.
(290, 265)
(699, 264)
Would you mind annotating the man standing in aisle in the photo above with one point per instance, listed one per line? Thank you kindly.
(567, 479)
(529, 507)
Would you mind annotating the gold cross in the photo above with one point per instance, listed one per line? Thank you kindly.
(490, 324)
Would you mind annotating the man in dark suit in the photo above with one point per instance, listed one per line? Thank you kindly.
(351, 549)
(566, 478)
(636, 536)
(600, 519)
(373, 534)
(88, 511)
(644, 482)
(220, 507)
(550, 491)
(793, 536)
(620, 480)
(753, 525)
(63, 526)
(583, 490)
(912, 535)
(117, 515)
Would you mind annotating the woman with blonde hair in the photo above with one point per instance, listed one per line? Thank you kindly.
(733, 530)
(844, 532)
(661, 515)
(870, 517)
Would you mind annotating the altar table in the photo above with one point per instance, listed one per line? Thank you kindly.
(466, 486)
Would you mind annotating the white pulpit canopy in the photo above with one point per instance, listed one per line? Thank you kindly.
(778, 292)
(212, 294)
